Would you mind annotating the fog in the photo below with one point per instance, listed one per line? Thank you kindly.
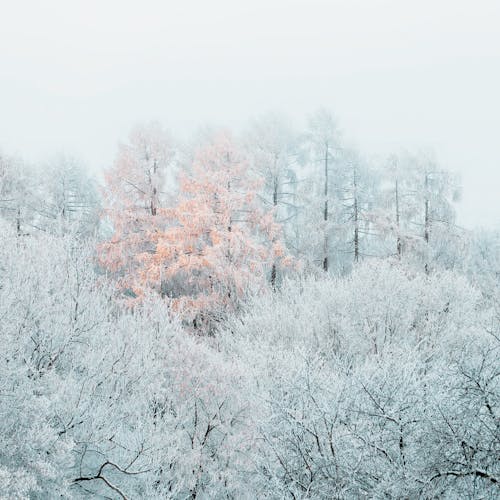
(76, 76)
(269, 311)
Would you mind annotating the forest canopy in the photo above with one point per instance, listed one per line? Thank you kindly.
(267, 313)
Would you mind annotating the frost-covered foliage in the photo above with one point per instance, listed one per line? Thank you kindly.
(380, 305)
(383, 384)
(380, 384)
(97, 399)
(323, 332)
(58, 197)
(387, 427)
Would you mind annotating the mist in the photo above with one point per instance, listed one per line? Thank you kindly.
(249, 250)
(76, 77)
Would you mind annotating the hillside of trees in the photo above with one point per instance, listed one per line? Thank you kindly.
(261, 314)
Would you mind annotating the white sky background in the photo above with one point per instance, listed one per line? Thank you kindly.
(76, 75)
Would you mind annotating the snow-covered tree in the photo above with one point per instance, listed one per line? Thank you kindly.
(135, 194)
(221, 244)
(324, 144)
(17, 194)
(97, 400)
(68, 197)
(274, 153)
(376, 379)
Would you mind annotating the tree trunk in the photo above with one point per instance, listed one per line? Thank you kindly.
(274, 270)
(426, 223)
(325, 214)
(18, 221)
(399, 246)
(154, 196)
(356, 218)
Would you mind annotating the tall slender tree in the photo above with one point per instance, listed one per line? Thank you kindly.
(273, 154)
(134, 198)
(17, 194)
(324, 140)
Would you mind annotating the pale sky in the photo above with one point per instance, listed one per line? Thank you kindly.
(76, 75)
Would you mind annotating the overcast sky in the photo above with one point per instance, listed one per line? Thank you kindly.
(76, 75)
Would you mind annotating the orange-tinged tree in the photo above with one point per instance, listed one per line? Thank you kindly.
(134, 198)
(222, 244)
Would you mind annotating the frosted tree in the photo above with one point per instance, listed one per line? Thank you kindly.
(345, 374)
(419, 197)
(17, 194)
(339, 202)
(67, 197)
(135, 194)
(273, 149)
(222, 244)
(323, 138)
(397, 202)
(440, 190)
(354, 195)
(98, 400)
(378, 383)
